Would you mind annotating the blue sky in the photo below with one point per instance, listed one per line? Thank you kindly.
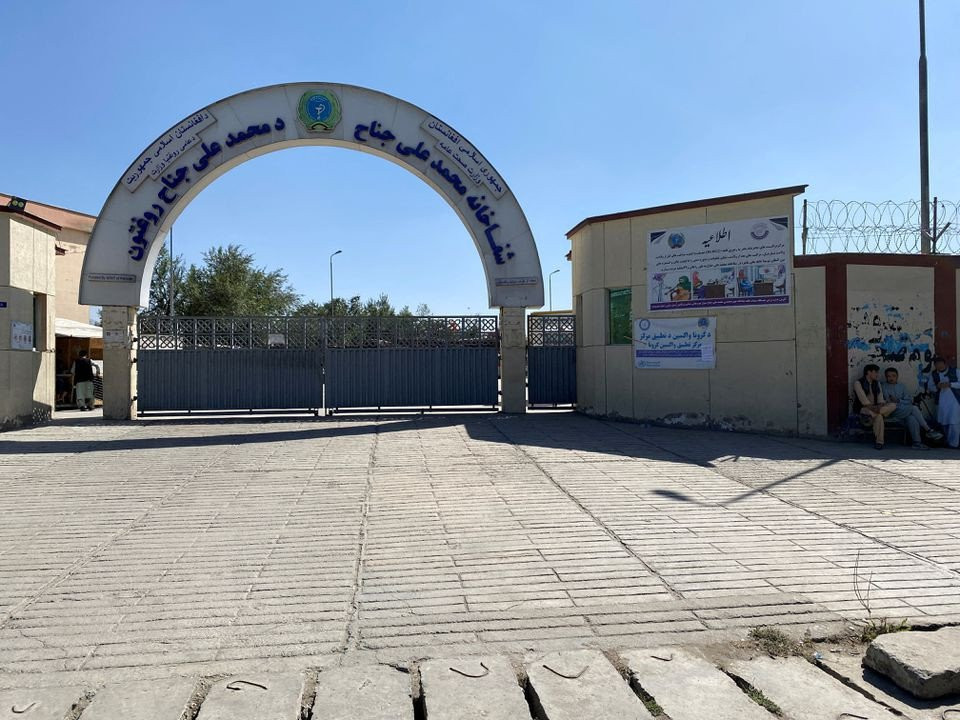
(584, 108)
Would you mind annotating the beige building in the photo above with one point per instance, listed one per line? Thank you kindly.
(42, 325)
(769, 369)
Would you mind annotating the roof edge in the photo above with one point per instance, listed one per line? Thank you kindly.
(742, 197)
(56, 207)
(35, 218)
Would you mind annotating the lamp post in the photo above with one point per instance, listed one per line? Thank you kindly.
(332, 255)
(550, 281)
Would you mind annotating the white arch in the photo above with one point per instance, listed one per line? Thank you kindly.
(161, 182)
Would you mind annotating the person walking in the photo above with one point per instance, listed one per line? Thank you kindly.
(82, 371)
(944, 383)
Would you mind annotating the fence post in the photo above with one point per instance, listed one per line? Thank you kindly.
(513, 360)
(803, 231)
(119, 358)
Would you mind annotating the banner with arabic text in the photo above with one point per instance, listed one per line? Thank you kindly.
(675, 343)
(744, 262)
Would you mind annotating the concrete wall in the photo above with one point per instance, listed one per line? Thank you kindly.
(764, 379)
(890, 320)
(26, 269)
(69, 267)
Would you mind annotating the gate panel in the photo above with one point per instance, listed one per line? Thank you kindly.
(229, 364)
(551, 360)
(412, 362)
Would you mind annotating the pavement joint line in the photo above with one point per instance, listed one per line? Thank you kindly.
(93, 552)
(351, 640)
(763, 491)
(677, 595)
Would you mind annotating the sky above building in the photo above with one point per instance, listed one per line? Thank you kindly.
(584, 108)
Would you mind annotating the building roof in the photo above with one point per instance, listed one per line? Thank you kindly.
(29, 216)
(61, 217)
(743, 197)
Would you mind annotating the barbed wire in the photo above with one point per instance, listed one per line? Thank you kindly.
(875, 227)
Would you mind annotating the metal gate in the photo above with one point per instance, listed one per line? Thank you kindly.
(551, 360)
(412, 362)
(254, 363)
(284, 363)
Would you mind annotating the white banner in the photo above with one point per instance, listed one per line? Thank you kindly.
(744, 262)
(675, 343)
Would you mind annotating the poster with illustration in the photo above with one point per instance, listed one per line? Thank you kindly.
(744, 262)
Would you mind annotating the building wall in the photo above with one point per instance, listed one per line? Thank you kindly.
(890, 320)
(26, 270)
(758, 383)
(69, 267)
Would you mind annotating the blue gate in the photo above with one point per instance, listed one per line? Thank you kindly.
(551, 360)
(412, 362)
(255, 363)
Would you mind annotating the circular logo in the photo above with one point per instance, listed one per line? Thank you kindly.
(643, 324)
(676, 240)
(759, 231)
(319, 110)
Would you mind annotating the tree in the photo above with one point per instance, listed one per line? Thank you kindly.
(341, 307)
(160, 285)
(228, 284)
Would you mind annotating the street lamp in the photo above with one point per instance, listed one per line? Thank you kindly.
(550, 280)
(331, 278)
(924, 142)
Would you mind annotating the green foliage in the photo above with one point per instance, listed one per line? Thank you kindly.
(875, 627)
(228, 283)
(775, 642)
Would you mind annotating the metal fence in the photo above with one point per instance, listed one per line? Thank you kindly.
(551, 360)
(828, 226)
(233, 333)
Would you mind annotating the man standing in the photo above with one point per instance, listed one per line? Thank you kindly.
(83, 381)
(943, 383)
(870, 403)
(896, 392)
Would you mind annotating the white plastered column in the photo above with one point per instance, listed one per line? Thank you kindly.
(119, 363)
(513, 360)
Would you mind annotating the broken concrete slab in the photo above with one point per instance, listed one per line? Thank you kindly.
(848, 667)
(926, 664)
(805, 692)
(689, 687)
(582, 684)
(51, 703)
(472, 688)
(142, 700)
(261, 696)
(372, 692)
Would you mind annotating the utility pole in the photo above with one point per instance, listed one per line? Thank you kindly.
(331, 278)
(924, 143)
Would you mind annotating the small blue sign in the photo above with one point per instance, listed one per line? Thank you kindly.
(3, 303)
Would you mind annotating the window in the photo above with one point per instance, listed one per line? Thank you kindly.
(619, 302)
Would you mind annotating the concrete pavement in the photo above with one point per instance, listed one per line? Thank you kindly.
(166, 548)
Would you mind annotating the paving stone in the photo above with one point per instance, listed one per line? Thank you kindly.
(50, 703)
(370, 692)
(164, 699)
(849, 668)
(803, 691)
(263, 696)
(926, 664)
(688, 687)
(574, 685)
(461, 689)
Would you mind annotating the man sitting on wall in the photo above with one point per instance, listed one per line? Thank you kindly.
(896, 392)
(945, 384)
(869, 402)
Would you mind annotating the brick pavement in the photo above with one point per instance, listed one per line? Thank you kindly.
(154, 548)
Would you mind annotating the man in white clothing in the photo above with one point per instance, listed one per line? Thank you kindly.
(944, 383)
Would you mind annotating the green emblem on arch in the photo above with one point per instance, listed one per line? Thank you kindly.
(319, 110)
